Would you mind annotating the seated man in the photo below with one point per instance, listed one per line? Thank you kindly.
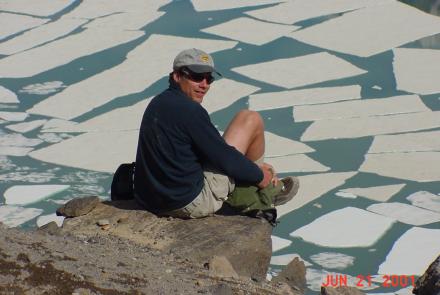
(184, 167)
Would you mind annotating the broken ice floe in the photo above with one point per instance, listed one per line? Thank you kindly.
(282, 99)
(333, 260)
(28, 194)
(279, 243)
(296, 163)
(267, 32)
(408, 142)
(134, 20)
(13, 116)
(286, 259)
(131, 76)
(45, 219)
(58, 124)
(367, 126)
(346, 195)
(43, 88)
(416, 166)
(345, 228)
(26, 126)
(203, 5)
(377, 193)
(281, 146)
(14, 151)
(360, 108)
(25, 176)
(419, 246)
(13, 216)
(44, 7)
(416, 70)
(312, 187)
(11, 24)
(368, 31)
(18, 140)
(425, 200)
(315, 68)
(7, 96)
(405, 213)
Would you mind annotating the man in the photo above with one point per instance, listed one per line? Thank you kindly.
(184, 168)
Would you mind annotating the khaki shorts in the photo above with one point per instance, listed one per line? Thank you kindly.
(216, 189)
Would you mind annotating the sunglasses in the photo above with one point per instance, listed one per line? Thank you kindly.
(197, 77)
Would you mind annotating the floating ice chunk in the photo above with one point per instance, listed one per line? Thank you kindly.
(131, 76)
(58, 124)
(312, 187)
(267, 32)
(346, 195)
(377, 193)
(92, 150)
(333, 260)
(282, 99)
(7, 96)
(412, 166)
(367, 126)
(224, 93)
(425, 200)
(291, 12)
(28, 194)
(416, 70)
(360, 108)
(126, 118)
(296, 163)
(345, 228)
(18, 140)
(43, 88)
(26, 126)
(43, 8)
(14, 151)
(281, 146)
(11, 24)
(45, 219)
(405, 213)
(368, 31)
(286, 259)
(127, 20)
(59, 52)
(409, 142)
(13, 116)
(13, 216)
(279, 243)
(315, 68)
(377, 87)
(202, 5)
(426, 242)
(40, 35)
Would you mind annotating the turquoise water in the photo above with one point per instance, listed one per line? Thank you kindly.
(341, 155)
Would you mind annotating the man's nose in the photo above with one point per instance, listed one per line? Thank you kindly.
(204, 83)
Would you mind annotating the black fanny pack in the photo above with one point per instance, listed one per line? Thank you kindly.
(123, 182)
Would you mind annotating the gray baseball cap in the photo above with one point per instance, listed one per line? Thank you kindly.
(196, 60)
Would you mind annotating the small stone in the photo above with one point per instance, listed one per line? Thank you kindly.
(345, 290)
(106, 227)
(220, 266)
(168, 271)
(103, 222)
(294, 275)
(78, 206)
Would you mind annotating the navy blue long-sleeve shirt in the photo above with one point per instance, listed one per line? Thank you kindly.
(176, 140)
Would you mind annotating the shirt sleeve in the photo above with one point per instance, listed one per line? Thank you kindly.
(220, 155)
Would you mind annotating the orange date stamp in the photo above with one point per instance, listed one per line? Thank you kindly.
(389, 281)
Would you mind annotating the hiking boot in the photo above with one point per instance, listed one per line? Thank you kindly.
(288, 191)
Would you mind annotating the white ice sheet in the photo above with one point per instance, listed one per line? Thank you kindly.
(296, 163)
(247, 33)
(415, 262)
(377, 193)
(360, 127)
(98, 151)
(360, 108)
(11, 24)
(286, 259)
(18, 140)
(45, 219)
(417, 70)
(281, 146)
(126, 20)
(369, 31)
(425, 200)
(345, 228)
(225, 92)
(26, 126)
(43, 88)
(13, 216)
(332, 260)
(315, 68)
(132, 76)
(28, 194)
(13, 116)
(40, 59)
(405, 213)
(58, 124)
(7, 96)
(416, 166)
(312, 187)
(203, 5)
(14, 151)
(409, 142)
(279, 243)
(40, 8)
(282, 99)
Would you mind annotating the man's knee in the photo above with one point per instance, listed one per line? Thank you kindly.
(251, 118)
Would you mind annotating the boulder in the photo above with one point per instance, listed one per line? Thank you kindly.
(244, 242)
(294, 275)
(345, 290)
(429, 283)
(78, 206)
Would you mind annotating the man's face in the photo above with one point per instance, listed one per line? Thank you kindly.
(193, 85)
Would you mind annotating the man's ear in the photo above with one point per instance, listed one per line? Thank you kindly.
(176, 76)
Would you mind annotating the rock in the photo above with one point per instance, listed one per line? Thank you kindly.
(294, 275)
(219, 266)
(78, 206)
(245, 242)
(221, 289)
(50, 228)
(103, 222)
(429, 283)
(345, 290)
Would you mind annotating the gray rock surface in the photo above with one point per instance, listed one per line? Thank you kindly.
(78, 206)
(429, 283)
(345, 290)
(294, 275)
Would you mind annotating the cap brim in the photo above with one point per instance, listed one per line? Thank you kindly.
(202, 69)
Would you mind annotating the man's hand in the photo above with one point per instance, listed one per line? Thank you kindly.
(269, 175)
